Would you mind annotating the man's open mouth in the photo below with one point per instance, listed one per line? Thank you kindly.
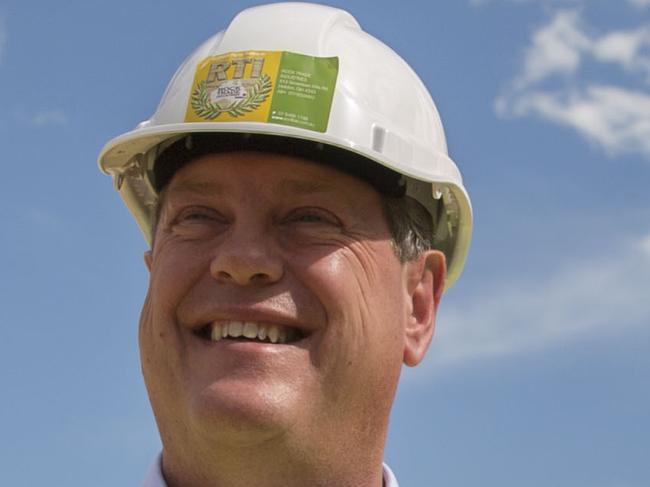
(249, 331)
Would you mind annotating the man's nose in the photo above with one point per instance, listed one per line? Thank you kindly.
(247, 256)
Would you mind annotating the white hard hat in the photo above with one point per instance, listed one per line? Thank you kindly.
(303, 71)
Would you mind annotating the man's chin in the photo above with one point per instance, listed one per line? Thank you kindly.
(241, 412)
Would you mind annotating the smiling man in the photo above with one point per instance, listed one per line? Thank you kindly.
(304, 221)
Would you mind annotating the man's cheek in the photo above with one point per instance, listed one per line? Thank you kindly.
(146, 333)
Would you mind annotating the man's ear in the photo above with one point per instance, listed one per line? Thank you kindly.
(425, 284)
(148, 259)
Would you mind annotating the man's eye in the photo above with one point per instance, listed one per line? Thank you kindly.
(309, 217)
(196, 216)
(312, 215)
(190, 215)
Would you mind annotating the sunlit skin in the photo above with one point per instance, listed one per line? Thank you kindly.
(278, 239)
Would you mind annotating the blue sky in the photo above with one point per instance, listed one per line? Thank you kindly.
(539, 374)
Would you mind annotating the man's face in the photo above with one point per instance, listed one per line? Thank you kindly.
(288, 249)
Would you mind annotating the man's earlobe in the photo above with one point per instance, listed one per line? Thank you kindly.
(425, 283)
(148, 259)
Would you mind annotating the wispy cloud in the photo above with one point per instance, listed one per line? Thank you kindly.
(555, 49)
(618, 119)
(594, 296)
(629, 49)
(640, 3)
(644, 245)
(613, 116)
(50, 117)
(541, 2)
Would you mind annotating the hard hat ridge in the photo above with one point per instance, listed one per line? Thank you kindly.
(386, 181)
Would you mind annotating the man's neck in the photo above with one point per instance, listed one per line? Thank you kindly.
(272, 468)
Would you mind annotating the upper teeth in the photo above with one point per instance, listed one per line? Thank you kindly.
(252, 330)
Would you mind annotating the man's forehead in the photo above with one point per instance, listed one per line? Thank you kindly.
(212, 187)
(282, 175)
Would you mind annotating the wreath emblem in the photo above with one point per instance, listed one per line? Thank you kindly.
(207, 109)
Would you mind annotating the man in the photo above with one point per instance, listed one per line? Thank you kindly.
(304, 219)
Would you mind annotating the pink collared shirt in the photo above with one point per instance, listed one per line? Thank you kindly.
(154, 477)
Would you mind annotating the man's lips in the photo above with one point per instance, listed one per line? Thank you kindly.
(255, 331)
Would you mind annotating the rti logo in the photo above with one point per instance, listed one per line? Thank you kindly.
(231, 85)
(219, 70)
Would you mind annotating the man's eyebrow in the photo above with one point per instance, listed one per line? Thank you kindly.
(203, 188)
(301, 186)
(286, 186)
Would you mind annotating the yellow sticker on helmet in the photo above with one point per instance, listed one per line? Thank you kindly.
(264, 86)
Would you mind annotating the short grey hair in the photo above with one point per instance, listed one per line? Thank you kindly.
(410, 225)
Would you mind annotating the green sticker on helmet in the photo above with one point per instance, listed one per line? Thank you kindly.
(304, 91)
(264, 86)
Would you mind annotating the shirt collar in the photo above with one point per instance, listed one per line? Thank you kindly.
(154, 476)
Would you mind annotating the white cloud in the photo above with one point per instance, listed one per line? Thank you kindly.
(556, 48)
(599, 296)
(51, 117)
(541, 2)
(640, 3)
(625, 48)
(644, 246)
(616, 118)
